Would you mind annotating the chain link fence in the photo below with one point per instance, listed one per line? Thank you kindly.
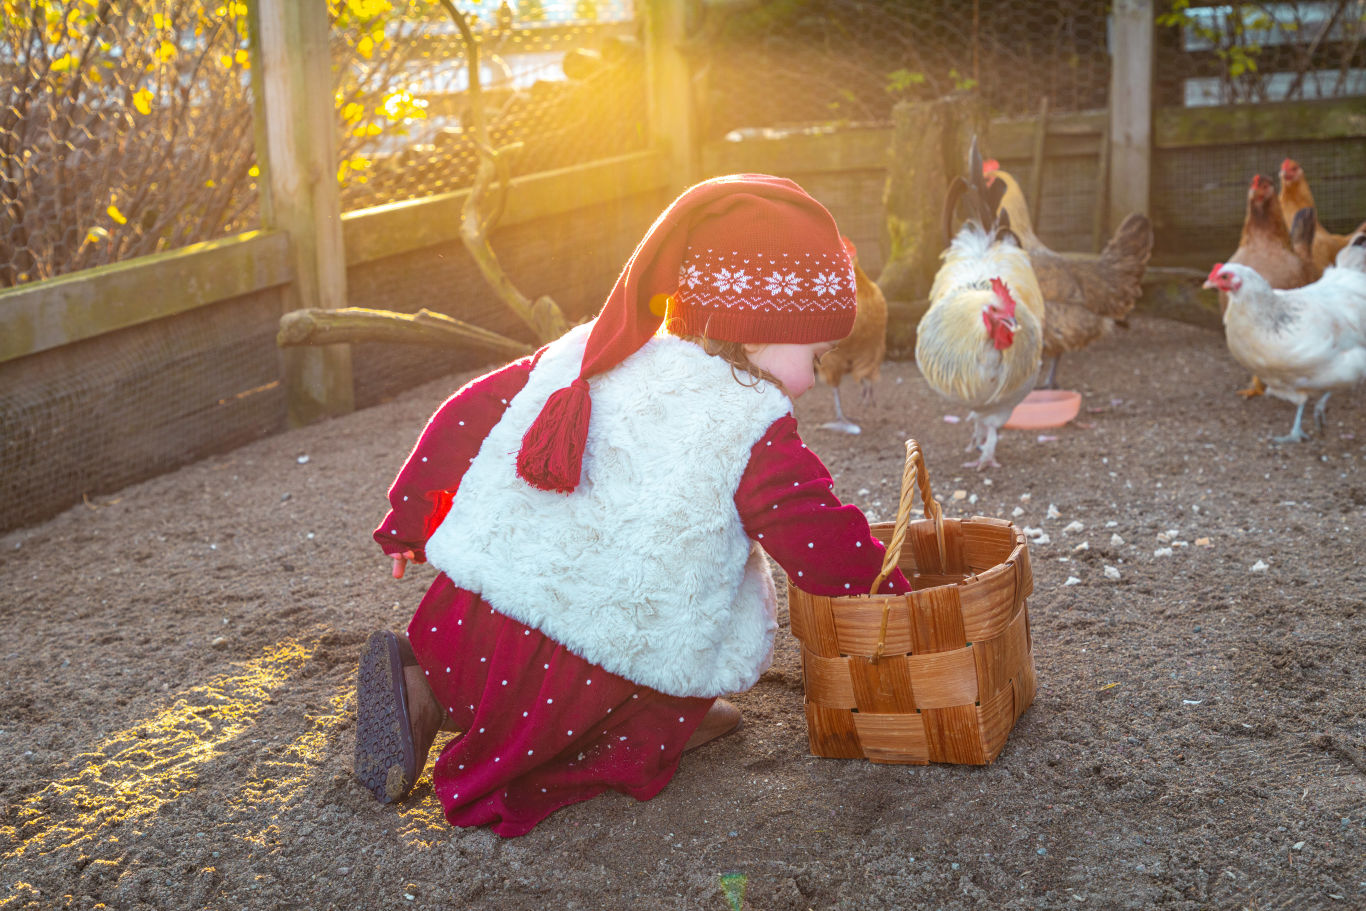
(562, 82)
(125, 129)
(775, 65)
(1274, 58)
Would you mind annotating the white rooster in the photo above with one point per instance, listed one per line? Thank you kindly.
(1302, 341)
(980, 342)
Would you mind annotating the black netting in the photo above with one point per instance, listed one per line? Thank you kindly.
(832, 61)
(125, 129)
(86, 419)
(562, 83)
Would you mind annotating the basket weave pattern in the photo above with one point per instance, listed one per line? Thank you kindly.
(938, 675)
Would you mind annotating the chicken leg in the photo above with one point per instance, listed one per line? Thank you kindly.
(986, 432)
(1051, 382)
(1296, 434)
(1321, 409)
(841, 424)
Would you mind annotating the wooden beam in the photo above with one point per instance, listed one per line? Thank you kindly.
(669, 77)
(291, 50)
(1337, 118)
(374, 233)
(800, 152)
(1131, 118)
(91, 302)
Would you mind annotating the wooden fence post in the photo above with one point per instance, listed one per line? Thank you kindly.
(671, 103)
(1131, 108)
(293, 89)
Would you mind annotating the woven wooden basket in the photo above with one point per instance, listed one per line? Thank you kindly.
(937, 675)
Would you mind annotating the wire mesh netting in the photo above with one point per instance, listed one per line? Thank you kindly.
(832, 61)
(1241, 52)
(1277, 61)
(125, 129)
(560, 83)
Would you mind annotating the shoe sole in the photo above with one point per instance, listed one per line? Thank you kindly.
(385, 760)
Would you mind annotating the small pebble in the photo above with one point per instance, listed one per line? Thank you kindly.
(1162, 552)
(1072, 580)
(303, 460)
(1202, 542)
(1084, 545)
(1074, 526)
(1260, 567)
(1043, 851)
(1053, 511)
(1116, 540)
(1111, 572)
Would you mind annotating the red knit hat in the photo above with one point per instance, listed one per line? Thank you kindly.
(748, 257)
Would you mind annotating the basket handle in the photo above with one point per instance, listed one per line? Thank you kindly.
(913, 475)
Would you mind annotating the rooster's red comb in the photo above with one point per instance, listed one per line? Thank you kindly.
(1214, 273)
(989, 166)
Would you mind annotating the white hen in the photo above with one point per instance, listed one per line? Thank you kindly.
(1303, 341)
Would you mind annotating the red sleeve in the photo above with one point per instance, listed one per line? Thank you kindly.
(786, 504)
(420, 495)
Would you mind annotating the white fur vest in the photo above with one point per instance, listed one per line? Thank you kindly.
(645, 568)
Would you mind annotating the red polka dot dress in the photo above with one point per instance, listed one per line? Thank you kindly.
(541, 727)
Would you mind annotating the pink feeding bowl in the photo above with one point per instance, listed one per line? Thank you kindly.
(1045, 408)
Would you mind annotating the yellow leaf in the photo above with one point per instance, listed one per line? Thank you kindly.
(254, 172)
(63, 63)
(166, 51)
(242, 57)
(142, 100)
(115, 214)
(365, 47)
(353, 112)
(160, 21)
(225, 61)
(211, 183)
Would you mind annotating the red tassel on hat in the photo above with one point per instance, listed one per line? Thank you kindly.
(551, 456)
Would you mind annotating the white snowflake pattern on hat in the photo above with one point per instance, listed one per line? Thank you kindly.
(726, 280)
(827, 283)
(788, 284)
(689, 275)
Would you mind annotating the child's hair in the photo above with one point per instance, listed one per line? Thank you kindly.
(733, 353)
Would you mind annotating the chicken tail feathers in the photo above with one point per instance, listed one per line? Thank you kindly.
(1302, 230)
(1129, 247)
(981, 199)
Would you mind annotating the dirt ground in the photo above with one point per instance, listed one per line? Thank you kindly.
(176, 706)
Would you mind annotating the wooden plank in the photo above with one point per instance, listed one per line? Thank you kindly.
(388, 230)
(1281, 121)
(800, 152)
(92, 302)
(1131, 93)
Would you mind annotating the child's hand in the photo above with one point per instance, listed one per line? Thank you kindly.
(401, 562)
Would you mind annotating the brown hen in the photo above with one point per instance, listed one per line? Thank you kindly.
(1083, 297)
(1295, 196)
(860, 353)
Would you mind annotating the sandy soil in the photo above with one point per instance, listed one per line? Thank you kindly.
(176, 710)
